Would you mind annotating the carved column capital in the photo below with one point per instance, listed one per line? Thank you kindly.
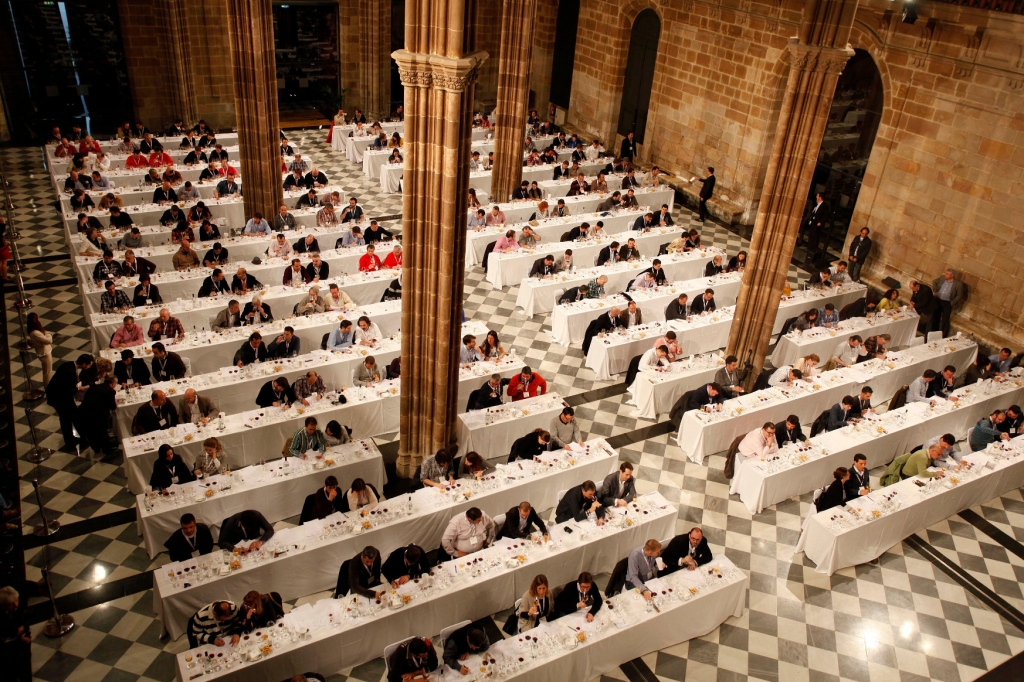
(445, 73)
(817, 59)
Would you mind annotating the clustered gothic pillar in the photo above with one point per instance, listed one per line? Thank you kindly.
(513, 96)
(438, 68)
(817, 57)
(251, 27)
(182, 73)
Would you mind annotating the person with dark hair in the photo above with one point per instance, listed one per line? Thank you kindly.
(565, 430)
(710, 396)
(360, 496)
(322, 503)
(706, 191)
(918, 389)
(253, 350)
(835, 494)
(413, 659)
(859, 482)
(521, 522)
(215, 624)
(760, 442)
(245, 526)
(169, 469)
(987, 431)
(405, 564)
(703, 304)
(60, 395)
(530, 445)
(98, 404)
(216, 283)
(579, 503)
(156, 415)
(488, 395)
(841, 413)
(472, 465)
(363, 574)
(789, 431)
(677, 309)
(468, 533)
(336, 434)
(862, 404)
(191, 540)
(276, 393)
(526, 384)
(619, 487)
(943, 383)
(463, 642)
(309, 437)
(688, 551)
(730, 377)
(436, 469)
(1014, 421)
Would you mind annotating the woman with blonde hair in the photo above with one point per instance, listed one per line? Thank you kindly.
(212, 460)
(536, 603)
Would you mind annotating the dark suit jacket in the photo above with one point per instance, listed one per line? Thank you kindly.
(510, 529)
(147, 419)
(539, 270)
(63, 385)
(834, 496)
(285, 349)
(836, 419)
(140, 373)
(699, 305)
(624, 317)
(674, 311)
(248, 356)
(250, 283)
(395, 566)
(574, 506)
(924, 300)
(570, 296)
(174, 368)
(700, 397)
(325, 270)
(860, 248)
(310, 179)
(232, 531)
(822, 215)
(628, 149)
(161, 477)
(248, 309)
(856, 482)
(783, 436)
(859, 408)
(708, 186)
(608, 491)
(605, 256)
(625, 253)
(710, 270)
(679, 547)
(526, 447)
(97, 405)
(569, 597)
(179, 548)
(267, 397)
(361, 579)
(210, 286)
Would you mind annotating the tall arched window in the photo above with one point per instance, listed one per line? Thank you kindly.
(636, 88)
(564, 54)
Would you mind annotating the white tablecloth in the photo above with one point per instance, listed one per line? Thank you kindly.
(127, 188)
(823, 342)
(340, 133)
(209, 351)
(170, 143)
(831, 550)
(522, 210)
(391, 175)
(493, 439)
(701, 434)
(550, 231)
(277, 489)
(509, 269)
(231, 209)
(313, 566)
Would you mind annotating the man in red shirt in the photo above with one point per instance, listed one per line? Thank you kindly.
(136, 160)
(526, 384)
(157, 159)
(369, 262)
(394, 259)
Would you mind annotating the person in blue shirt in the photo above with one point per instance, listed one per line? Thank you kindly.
(257, 226)
(341, 337)
(469, 352)
(1001, 360)
(228, 187)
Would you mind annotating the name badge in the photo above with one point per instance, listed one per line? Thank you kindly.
(475, 539)
(174, 480)
(162, 422)
(194, 553)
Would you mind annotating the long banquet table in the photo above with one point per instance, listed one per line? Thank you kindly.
(702, 434)
(490, 432)
(902, 326)
(312, 562)
(277, 488)
(520, 211)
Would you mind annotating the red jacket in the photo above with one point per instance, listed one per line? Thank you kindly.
(392, 262)
(368, 263)
(518, 391)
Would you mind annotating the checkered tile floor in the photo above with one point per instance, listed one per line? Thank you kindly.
(902, 619)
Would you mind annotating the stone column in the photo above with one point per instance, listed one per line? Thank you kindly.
(816, 58)
(182, 74)
(375, 61)
(251, 29)
(438, 68)
(513, 96)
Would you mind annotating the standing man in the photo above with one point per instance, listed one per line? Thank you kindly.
(60, 395)
(951, 294)
(628, 150)
(705, 193)
(860, 247)
(817, 219)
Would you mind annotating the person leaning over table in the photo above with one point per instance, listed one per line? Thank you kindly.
(305, 387)
(835, 494)
(859, 482)
(276, 393)
(986, 431)
(526, 384)
(113, 299)
(842, 413)
(196, 409)
(919, 462)
(943, 383)
(917, 392)
(167, 365)
(703, 304)
(212, 460)
(216, 256)
(156, 415)
(128, 334)
(847, 352)
(252, 350)
(467, 533)
(688, 551)
(461, 644)
(580, 503)
(875, 347)
(191, 540)
(536, 603)
(169, 469)
(760, 442)
(245, 526)
(367, 373)
(215, 623)
(405, 564)
(131, 371)
(530, 445)
(1014, 421)
(414, 659)
(336, 434)
(951, 455)
(259, 611)
(256, 312)
(565, 430)
(641, 567)
(436, 469)
(574, 295)
(595, 287)
(706, 396)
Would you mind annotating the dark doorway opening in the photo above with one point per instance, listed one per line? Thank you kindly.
(564, 54)
(639, 80)
(307, 54)
(397, 43)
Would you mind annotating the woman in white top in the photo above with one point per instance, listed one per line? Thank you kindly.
(367, 333)
(212, 460)
(93, 245)
(361, 495)
(339, 118)
(41, 342)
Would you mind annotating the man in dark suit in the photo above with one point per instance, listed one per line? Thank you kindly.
(628, 148)
(60, 395)
(943, 383)
(94, 415)
(706, 191)
(708, 394)
(629, 251)
(574, 294)
(923, 302)
(131, 371)
(215, 284)
(561, 172)
(577, 502)
(156, 415)
(704, 303)
(840, 413)
(252, 350)
(860, 247)
(686, 551)
(405, 564)
(677, 309)
(363, 574)
(859, 308)
(818, 218)
(191, 540)
(859, 482)
(604, 323)
(543, 267)
(167, 365)
(619, 487)
(862, 403)
(663, 217)
(789, 431)
(609, 254)
(488, 395)
(245, 526)
(644, 223)
(243, 282)
(579, 594)
(521, 522)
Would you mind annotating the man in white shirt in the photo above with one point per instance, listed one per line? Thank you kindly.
(655, 358)
(847, 352)
(918, 391)
(279, 248)
(468, 533)
(838, 273)
(785, 376)
(760, 442)
(645, 280)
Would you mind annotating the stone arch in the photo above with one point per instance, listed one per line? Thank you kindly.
(630, 8)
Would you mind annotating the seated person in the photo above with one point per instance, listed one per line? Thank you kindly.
(789, 431)
(322, 503)
(436, 470)
(580, 594)
(286, 345)
(276, 393)
(146, 293)
(474, 466)
(215, 624)
(841, 414)
(361, 495)
(835, 494)
(336, 434)
(641, 567)
(259, 611)
(413, 659)
(760, 442)
(463, 642)
(619, 487)
(526, 384)
(361, 576)
(580, 503)
(530, 445)
(467, 533)
(156, 415)
(249, 527)
(689, 551)
(405, 564)
(521, 522)
(191, 540)
(859, 482)
(709, 396)
(169, 469)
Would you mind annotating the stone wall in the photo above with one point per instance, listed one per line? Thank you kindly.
(544, 24)
(944, 181)
(488, 39)
(147, 53)
(210, 49)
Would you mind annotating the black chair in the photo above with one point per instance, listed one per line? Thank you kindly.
(341, 589)
(763, 377)
(589, 335)
(786, 326)
(565, 237)
(730, 457)
(663, 249)
(323, 341)
(634, 369)
(820, 424)
(487, 252)
(618, 578)
(680, 408)
(307, 509)
(899, 398)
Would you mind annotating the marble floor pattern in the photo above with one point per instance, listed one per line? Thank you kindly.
(902, 619)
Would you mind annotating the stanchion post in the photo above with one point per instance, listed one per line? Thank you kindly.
(46, 528)
(38, 453)
(60, 624)
(31, 393)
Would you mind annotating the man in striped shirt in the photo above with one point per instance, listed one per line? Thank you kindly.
(215, 624)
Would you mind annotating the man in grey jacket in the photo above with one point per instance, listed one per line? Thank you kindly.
(619, 487)
(951, 294)
(564, 430)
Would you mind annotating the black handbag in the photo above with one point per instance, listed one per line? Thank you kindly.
(511, 626)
